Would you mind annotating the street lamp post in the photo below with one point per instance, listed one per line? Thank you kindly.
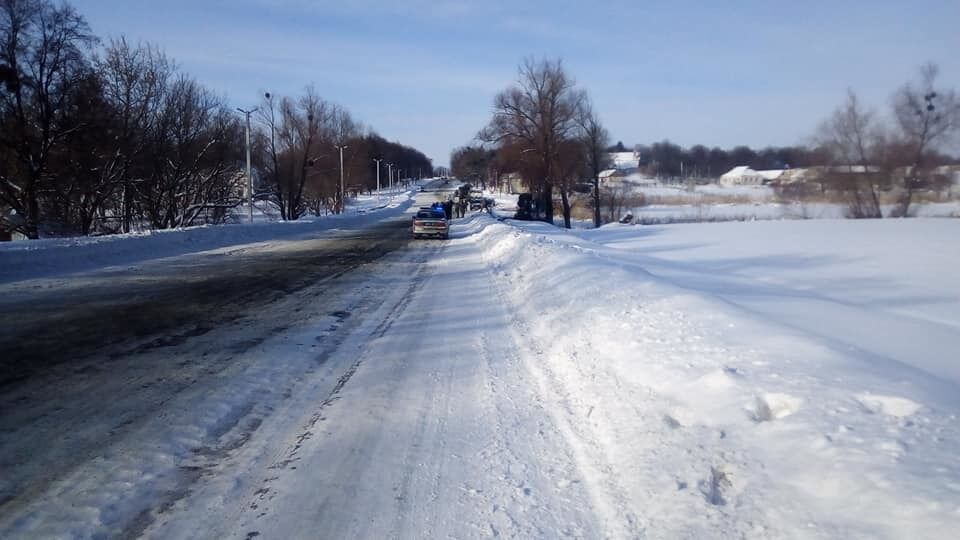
(249, 178)
(390, 178)
(342, 192)
(377, 161)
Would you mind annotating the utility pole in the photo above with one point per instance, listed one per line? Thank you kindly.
(378, 178)
(249, 178)
(390, 178)
(343, 194)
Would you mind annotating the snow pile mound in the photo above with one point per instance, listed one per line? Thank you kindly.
(703, 419)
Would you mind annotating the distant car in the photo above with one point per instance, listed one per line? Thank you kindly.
(476, 200)
(430, 222)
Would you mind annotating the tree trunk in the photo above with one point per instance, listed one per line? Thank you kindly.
(547, 202)
(32, 227)
(874, 200)
(907, 199)
(566, 208)
(596, 201)
(127, 203)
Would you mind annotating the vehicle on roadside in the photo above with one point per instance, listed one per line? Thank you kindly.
(430, 221)
(524, 207)
(476, 200)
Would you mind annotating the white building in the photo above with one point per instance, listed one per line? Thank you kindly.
(745, 176)
(624, 160)
(741, 176)
(771, 175)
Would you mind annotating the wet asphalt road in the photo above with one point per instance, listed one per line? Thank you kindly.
(44, 323)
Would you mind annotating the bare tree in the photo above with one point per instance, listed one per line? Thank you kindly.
(81, 182)
(302, 159)
(41, 59)
(194, 154)
(614, 198)
(595, 139)
(854, 140)
(536, 116)
(108, 141)
(927, 116)
(471, 162)
(135, 80)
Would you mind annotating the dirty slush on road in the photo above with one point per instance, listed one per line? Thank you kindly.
(105, 354)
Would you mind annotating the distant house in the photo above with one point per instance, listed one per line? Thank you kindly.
(771, 175)
(612, 176)
(514, 182)
(745, 176)
(823, 176)
(741, 176)
(624, 160)
(951, 174)
(800, 175)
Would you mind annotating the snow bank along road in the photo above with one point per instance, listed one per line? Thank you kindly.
(514, 381)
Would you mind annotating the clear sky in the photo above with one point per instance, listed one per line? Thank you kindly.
(425, 72)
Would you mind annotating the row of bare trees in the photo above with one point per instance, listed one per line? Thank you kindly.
(667, 160)
(108, 139)
(870, 154)
(111, 137)
(544, 128)
(298, 143)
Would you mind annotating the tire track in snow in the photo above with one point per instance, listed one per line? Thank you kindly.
(288, 455)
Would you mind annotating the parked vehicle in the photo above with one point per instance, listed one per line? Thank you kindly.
(430, 221)
(476, 199)
(524, 207)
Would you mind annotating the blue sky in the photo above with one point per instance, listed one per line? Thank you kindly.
(425, 72)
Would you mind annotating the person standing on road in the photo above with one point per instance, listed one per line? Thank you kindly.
(448, 209)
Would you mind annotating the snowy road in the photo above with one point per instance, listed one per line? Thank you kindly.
(435, 429)
(391, 398)
(144, 366)
(517, 380)
(185, 296)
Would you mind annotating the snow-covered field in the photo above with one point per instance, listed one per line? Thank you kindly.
(713, 203)
(768, 379)
(792, 379)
